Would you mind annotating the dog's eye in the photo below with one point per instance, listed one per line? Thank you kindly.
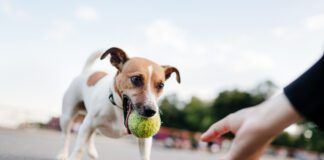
(137, 81)
(160, 86)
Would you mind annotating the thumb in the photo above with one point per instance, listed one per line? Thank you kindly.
(216, 130)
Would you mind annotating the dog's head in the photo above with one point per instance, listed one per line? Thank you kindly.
(139, 81)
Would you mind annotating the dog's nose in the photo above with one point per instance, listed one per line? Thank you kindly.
(148, 111)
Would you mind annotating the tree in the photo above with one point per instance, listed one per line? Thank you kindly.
(197, 115)
(231, 101)
(265, 89)
(284, 139)
(171, 116)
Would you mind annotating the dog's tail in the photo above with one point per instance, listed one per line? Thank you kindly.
(91, 60)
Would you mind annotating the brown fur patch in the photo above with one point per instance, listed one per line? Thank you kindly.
(81, 112)
(95, 77)
(79, 118)
(116, 89)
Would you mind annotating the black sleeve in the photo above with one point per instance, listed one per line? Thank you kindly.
(306, 93)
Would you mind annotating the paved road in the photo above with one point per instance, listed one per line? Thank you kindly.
(44, 145)
(34, 144)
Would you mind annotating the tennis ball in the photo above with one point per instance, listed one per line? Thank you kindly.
(143, 127)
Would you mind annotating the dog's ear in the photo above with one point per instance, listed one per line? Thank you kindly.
(118, 57)
(168, 70)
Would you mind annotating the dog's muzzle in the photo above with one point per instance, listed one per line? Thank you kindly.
(147, 111)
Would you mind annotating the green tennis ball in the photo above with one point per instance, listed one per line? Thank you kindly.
(143, 127)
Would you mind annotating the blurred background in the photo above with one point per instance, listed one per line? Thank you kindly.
(231, 55)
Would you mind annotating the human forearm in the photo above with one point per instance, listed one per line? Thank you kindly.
(277, 113)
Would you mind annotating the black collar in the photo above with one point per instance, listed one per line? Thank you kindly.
(112, 100)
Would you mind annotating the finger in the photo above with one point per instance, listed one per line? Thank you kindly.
(216, 130)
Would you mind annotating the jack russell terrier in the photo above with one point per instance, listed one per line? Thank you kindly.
(105, 101)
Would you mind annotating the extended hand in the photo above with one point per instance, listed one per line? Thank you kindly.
(254, 127)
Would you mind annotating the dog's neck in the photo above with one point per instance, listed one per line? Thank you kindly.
(116, 94)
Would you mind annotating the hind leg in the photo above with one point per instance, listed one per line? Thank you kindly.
(92, 151)
(66, 123)
(70, 110)
(83, 137)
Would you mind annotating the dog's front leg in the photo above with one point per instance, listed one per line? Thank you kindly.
(84, 135)
(145, 145)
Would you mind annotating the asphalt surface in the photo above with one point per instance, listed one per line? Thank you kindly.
(36, 144)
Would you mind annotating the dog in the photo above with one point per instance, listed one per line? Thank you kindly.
(106, 100)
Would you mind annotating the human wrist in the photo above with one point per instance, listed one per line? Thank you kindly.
(278, 113)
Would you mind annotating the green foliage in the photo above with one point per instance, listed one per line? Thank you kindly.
(265, 89)
(285, 139)
(198, 115)
(314, 143)
(231, 101)
(171, 116)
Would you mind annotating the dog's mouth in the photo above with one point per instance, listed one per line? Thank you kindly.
(128, 108)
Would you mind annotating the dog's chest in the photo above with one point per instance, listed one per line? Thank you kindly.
(113, 132)
(111, 124)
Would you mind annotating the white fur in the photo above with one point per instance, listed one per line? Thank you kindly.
(150, 97)
(101, 115)
(145, 145)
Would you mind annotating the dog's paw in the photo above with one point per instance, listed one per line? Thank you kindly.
(145, 158)
(93, 154)
(62, 156)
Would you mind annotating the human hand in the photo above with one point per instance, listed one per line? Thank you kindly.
(254, 127)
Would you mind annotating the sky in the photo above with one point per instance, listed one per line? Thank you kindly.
(216, 45)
